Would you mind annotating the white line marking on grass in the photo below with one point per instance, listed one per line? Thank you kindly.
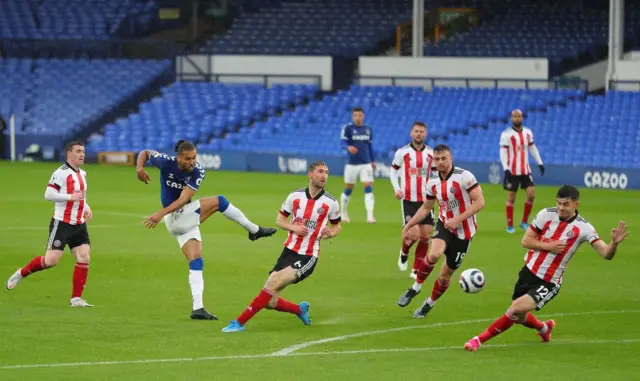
(289, 350)
(328, 353)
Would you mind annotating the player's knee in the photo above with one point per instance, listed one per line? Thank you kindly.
(348, 191)
(368, 189)
(83, 257)
(223, 204)
(272, 304)
(196, 264)
(51, 260)
(518, 309)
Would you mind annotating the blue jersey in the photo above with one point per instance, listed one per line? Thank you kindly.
(173, 179)
(360, 137)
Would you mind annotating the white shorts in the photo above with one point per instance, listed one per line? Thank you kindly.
(352, 172)
(184, 224)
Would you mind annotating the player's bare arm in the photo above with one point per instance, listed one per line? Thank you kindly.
(477, 204)
(143, 157)
(331, 231)
(618, 234)
(530, 241)
(283, 223)
(186, 195)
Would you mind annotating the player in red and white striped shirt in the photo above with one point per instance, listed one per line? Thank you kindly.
(67, 189)
(515, 144)
(459, 199)
(310, 210)
(553, 238)
(413, 164)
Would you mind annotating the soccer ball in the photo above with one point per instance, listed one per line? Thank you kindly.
(471, 281)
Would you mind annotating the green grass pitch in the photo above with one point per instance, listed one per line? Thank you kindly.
(140, 328)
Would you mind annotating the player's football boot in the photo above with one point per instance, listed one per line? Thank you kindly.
(371, 220)
(414, 274)
(406, 298)
(261, 233)
(422, 312)
(511, 230)
(546, 337)
(524, 225)
(403, 261)
(234, 326)
(14, 280)
(304, 314)
(79, 302)
(345, 218)
(472, 345)
(202, 314)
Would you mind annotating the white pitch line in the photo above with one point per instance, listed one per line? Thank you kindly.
(315, 354)
(291, 353)
(294, 348)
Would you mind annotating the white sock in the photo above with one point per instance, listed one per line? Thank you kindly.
(430, 302)
(417, 286)
(196, 281)
(344, 202)
(368, 204)
(236, 215)
(544, 329)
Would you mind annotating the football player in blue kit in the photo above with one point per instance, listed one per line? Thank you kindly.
(357, 139)
(180, 178)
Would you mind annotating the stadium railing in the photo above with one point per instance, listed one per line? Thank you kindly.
(431, 82)
(624, 85)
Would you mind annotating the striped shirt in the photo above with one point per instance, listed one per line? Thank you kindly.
(452, 194)
(416, 169)
(66, 180)
(549, 227)
(517, 144)
(314, 213)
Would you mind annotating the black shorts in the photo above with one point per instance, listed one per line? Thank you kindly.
(410, 208)
(303, 264)
(456, 248)
(62, 234)
(540, 290)
(511, 182)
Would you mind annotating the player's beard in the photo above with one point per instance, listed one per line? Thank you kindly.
(517, 125)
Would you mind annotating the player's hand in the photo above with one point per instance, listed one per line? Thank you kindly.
(452, 224)
(153, 220)
(541, 167)
(557, 247)
(326, 233)
(143, 176)
(300, 230)
(399, 194)
(373, 165)
(619, 233)
(88, 214)
(352, 150)
(77, 196)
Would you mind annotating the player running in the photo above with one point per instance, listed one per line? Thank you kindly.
(416, 161)
(180, 179)
(515, 144)
(357, 139)
(67, 188)
(459, 199)
(552, 239)
(311, 209)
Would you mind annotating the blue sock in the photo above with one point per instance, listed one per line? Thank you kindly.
(368, 189)
(223, 204)
(196, 265)
(347, 192)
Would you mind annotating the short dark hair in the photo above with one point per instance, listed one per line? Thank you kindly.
(316, 164)
(441, 148)
(184, 146)
(568, 191)
(419, 123)
(357, 109)
(69, 146)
